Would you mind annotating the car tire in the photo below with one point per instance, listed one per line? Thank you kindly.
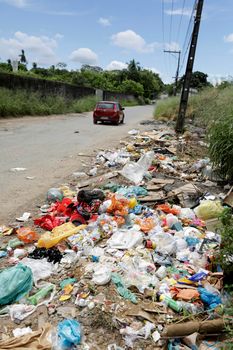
(94, 121)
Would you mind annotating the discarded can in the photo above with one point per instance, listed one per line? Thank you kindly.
(149, 244)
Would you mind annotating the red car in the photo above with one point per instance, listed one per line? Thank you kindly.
(108, 111)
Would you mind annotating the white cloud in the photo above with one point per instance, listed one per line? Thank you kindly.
(116, 65)
(154, 70)
(132, 41)
(38, 49)
(179, 12)
(228, 38)
(105, 22)
(84, 56)
(16, 3)
(172, 46)
(58, 36)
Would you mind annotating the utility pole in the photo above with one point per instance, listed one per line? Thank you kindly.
(177, 70)
(189, 69)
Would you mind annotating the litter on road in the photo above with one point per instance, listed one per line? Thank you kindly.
(122, 257)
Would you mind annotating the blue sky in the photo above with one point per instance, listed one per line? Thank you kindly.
(110, 33)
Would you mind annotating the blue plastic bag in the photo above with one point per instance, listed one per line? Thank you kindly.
(15, 283)
(209, 299)
(69, 333)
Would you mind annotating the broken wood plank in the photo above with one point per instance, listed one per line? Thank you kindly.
(152, 197)
(162, 181)
(96, 179)
(154, 187)
(186, 189)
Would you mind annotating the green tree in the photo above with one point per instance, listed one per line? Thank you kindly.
(133, 70)
(198, 81)
(130, 86)
(22, 57)
(61, 65)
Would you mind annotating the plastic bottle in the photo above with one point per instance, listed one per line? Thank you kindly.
(34, 299)
(191, 308)
(174, 305)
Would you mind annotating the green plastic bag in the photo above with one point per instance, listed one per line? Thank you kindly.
(15, 282)
(122, 290)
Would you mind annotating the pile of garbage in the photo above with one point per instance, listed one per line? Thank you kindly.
(126, 258)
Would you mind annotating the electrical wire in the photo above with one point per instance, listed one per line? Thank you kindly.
(181, 17)
(171, 20)
(187, 41)
(166, 68)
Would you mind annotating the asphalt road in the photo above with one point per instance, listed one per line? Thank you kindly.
(49, 147)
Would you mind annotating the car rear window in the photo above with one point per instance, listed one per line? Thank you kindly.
(105, 105)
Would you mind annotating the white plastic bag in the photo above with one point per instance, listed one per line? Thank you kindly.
(41, 269)
(135, 171)
(165, 243)
(102, 275)
(125, 239)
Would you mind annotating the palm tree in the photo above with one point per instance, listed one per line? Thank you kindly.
(22, 56)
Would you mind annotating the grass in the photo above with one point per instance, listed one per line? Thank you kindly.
(16, 103)
(20, 102)
(206, 106)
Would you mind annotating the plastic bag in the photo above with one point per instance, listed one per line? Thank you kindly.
(69, 333)
(102, 275)
(132, 191)
(48, 222)
(146, 224)
(41, 269)
(209, 299)
(122, 290)
(165, 243)
(125, 239)
(27, 235)
(119, 206)
(135, 171)
(48, 240)
(166, 208)
(15, 282)
(54, 195)
(209, 209)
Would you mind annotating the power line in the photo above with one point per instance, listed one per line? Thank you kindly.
(163, 31)
(171, 19)
(181, 17)
(185, 53)
(186, 40)
(189, 25)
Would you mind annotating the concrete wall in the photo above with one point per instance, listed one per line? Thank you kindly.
(43, 86)
(47, 87)
(116, 96)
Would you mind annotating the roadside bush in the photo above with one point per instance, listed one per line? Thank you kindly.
(204, 107)
(84, 104)
(167, 109)
(220, 136)
(14, 103)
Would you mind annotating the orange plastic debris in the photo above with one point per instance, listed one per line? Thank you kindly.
(27, 235)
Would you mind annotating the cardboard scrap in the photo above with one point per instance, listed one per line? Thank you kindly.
(186, 189)
(187, 328)
(229, 198)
